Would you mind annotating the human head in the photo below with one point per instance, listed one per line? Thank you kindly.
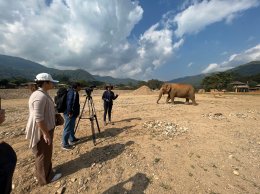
(109, 87)
(76, 86)
(43, 79)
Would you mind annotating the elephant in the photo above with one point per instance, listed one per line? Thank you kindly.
(178, 90)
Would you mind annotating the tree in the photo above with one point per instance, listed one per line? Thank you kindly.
(218, 81)
(4, 82)
(154, 84)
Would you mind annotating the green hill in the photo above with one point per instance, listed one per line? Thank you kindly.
(18, 67)
(248, 69)
(112, 80)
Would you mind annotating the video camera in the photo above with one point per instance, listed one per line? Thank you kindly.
(89, 90)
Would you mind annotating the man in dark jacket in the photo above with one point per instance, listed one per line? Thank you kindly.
(70, 115)
(108, 97)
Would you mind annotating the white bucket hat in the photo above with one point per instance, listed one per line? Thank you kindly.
(45, 77)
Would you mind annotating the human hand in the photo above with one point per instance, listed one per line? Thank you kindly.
(2, 116)
(47, 138)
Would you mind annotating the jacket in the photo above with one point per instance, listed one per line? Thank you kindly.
(109, 96)
(72, 102)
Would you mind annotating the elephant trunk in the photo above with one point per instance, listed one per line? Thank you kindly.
(160, 95)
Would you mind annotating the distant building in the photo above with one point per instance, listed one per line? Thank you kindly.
(240, 86)
(256, 88)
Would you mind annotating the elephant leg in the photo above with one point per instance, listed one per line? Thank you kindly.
(168, 98)
(172, 99)
(187, 101)
(193, 101)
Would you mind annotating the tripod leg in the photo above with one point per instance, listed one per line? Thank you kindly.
(95, 116)
(93, 130)
(93, 113)
(80, 115)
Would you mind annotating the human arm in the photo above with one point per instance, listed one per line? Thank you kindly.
(45, 132)
(105, 96)
(39, 106)
(115, 96)
(70, 100)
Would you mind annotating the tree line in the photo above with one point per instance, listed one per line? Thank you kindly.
(222, 80)
(63, 79)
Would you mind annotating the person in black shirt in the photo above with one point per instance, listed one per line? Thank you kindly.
(8, 161)
(108, 97)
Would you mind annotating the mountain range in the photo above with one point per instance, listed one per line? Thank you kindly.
(248, 69)
(18, 67)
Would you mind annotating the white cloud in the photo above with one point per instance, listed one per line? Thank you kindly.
(92, 35)
(203, 13)
(252, 54)
(190, 64)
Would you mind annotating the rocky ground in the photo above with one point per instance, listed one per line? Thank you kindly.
(150, 148)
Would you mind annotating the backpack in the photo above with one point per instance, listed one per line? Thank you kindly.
(61, 100)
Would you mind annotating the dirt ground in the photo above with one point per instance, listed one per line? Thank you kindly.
(213, 147)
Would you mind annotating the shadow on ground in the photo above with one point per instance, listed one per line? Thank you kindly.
(96, 155)
(128, 120)
(109, 132)
(138, 182)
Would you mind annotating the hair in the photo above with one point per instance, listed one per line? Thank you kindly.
(75, 85)
(40, 83)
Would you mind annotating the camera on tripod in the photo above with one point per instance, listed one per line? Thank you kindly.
(91, 113)
(89, 90)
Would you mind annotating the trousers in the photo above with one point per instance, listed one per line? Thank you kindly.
(68, 131)
(107, 110)
(43, 164)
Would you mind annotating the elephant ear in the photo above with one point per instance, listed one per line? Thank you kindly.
(168, 88)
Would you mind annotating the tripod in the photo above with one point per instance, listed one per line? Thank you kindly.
(91, 116)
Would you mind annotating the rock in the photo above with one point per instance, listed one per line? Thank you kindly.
(230, 156)
(73, 180)
(57, 185)
(235, 172)
(60, 190)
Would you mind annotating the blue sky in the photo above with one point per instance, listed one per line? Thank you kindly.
(146, 39)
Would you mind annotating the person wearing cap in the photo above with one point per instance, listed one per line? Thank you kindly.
(40, 128)
(108, 97)
(8, 161)
(71, 113)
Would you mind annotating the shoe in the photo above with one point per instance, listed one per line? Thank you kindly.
(105, 123)
(68, 147)
(76, 140)
(56, 177)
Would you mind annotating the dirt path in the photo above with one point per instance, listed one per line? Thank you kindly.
(151, 148)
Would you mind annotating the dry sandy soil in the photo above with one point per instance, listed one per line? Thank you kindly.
(151, 148)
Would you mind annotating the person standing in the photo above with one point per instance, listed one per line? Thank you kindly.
(108, 97)
(40, 128)
(71, 113)
(8, 161)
